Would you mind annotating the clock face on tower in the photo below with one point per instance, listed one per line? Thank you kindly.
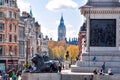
(60, 31)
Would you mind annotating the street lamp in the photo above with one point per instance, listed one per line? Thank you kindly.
(32, 51)
(11, 59)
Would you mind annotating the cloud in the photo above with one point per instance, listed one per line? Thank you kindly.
(50, 33)
(24, 6)
(61, 5)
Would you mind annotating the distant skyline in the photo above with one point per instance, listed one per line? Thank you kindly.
(48, 14)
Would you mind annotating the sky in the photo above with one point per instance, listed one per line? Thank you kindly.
(48, 14)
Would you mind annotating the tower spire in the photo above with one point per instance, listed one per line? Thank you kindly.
(62, 20)
(31, 12)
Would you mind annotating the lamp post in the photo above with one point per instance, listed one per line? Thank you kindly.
(32, 51)
(11, 59)
(26, 52)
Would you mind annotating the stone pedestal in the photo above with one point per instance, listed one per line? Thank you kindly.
(111, 60)
(102, 36)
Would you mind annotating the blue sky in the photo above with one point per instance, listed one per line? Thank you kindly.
(48, 14)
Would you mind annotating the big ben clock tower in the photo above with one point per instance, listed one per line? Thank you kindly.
(61, 30)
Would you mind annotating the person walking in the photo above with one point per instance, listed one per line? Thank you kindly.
(14, 76)
(60, 66)
(0, 75)
(4, 76)
(103, 67)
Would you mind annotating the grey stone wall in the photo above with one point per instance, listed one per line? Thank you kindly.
(72, 76)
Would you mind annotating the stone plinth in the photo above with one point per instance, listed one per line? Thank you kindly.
(111, 60)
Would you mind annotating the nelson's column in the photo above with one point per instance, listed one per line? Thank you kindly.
(102, 36)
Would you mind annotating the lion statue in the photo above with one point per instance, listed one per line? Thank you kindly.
(38, 62)
(42, 63)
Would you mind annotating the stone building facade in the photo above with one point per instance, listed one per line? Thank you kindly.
(9, 15)
(27, 37)
(82, 39)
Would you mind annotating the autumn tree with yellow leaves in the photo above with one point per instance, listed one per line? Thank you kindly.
(73, 52)
(59, 49)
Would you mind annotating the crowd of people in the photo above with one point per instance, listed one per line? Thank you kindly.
(101, 71)
(10, 75)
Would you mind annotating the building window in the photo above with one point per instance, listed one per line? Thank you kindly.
(10, 27)
(1, 50)
(1, 37)
(15, 15)
(1, 14)
(13, 3)
(15, 28)
(10, 3)
(10, 14)
(15, 38)
(1, 2)
(1, 26)
(10, 38)
(10, 49)
(6, 1)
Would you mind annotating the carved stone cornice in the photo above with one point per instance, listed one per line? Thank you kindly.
(87, 10)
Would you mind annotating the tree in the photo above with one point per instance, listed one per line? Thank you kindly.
(73, 52)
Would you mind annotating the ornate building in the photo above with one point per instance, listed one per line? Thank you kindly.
(72, 41)
(9, 14)
(27, 37)
(61, 30)
(82, 39)
(38, 37)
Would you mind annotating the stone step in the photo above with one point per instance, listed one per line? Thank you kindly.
(97, 64)
(75, 77)
(115, 70)
(102, 58)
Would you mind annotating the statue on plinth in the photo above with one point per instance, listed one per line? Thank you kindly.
(43, 64)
